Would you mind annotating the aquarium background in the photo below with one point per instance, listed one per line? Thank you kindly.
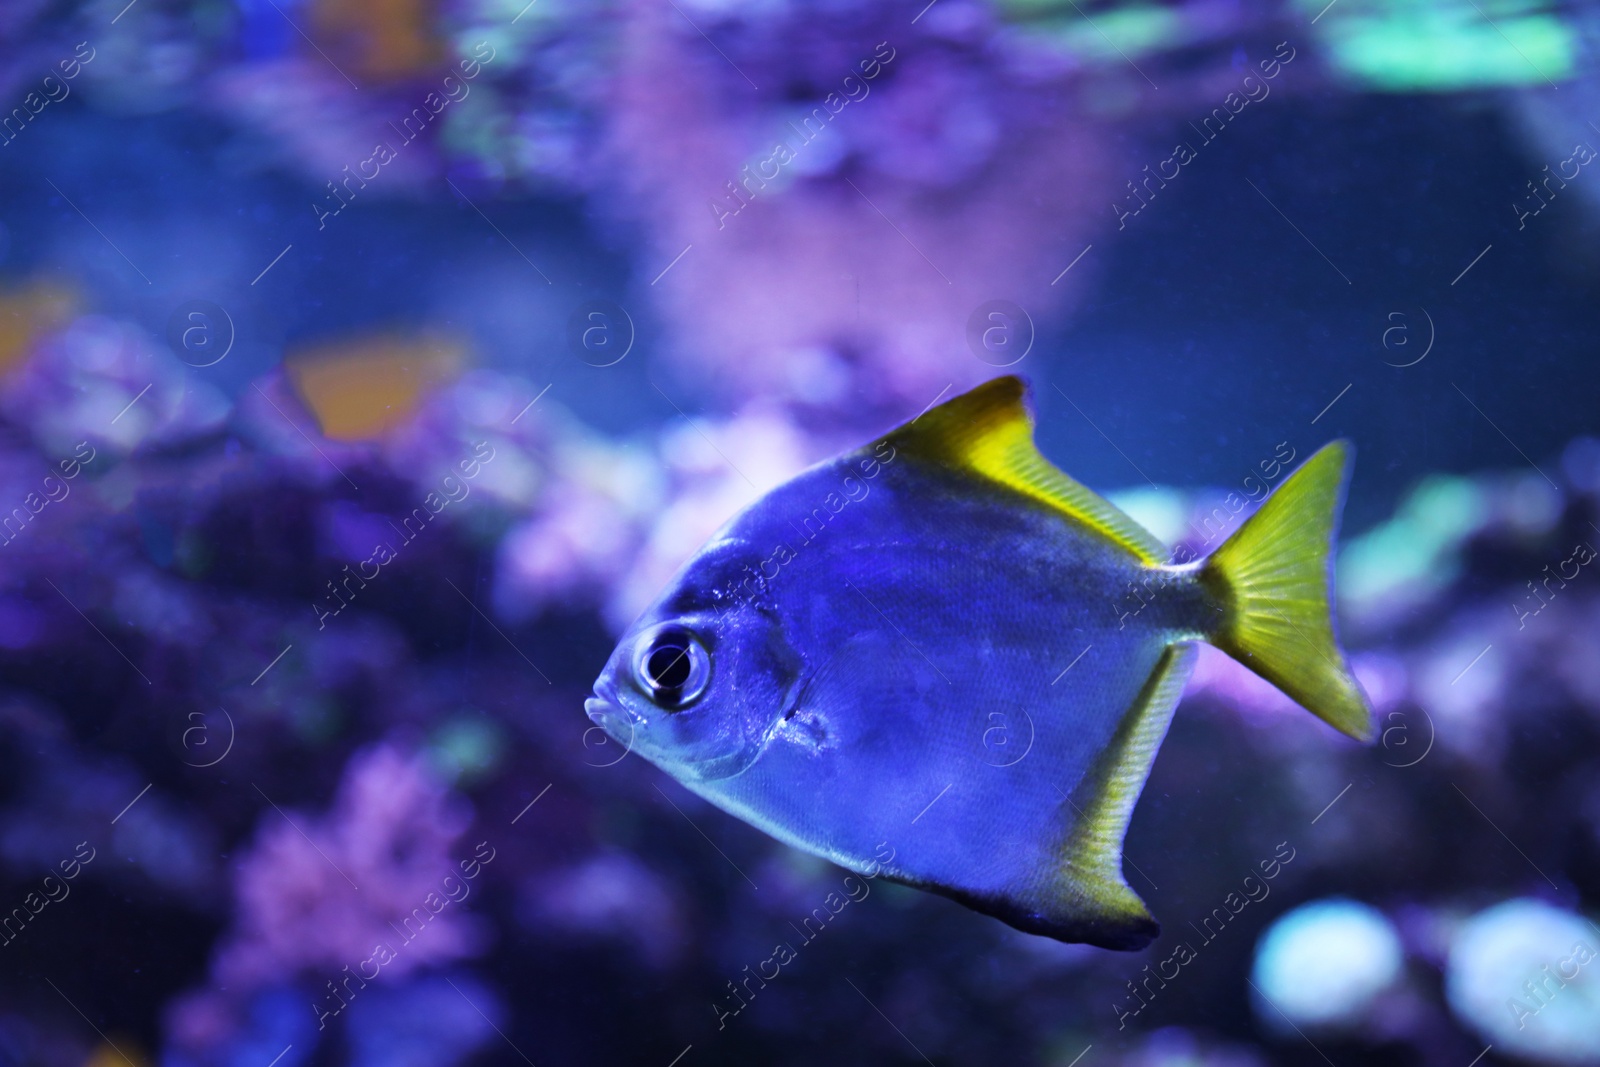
(536, 295)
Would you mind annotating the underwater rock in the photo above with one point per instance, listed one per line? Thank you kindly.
(1523, 973)
(1324, 964)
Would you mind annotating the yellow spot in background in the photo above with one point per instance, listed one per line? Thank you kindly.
(123, 1054)
(26, 313)
(360, 390)
(378, 40)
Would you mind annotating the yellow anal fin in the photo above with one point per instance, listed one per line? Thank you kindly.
(988, 432)
(1091, 897)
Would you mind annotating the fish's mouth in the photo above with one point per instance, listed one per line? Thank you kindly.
(610, 715)
(600, 710)
(612, 723)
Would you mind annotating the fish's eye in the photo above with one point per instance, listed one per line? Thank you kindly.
(673, 667)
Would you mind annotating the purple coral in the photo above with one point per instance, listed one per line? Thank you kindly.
(319, 894)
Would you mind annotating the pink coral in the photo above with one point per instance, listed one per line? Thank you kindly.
(946, 185)
(318, 894)
(107, 381)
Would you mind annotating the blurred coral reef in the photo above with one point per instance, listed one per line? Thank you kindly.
(286, 654)
(172, 587)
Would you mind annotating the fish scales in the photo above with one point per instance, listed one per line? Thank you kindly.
(943, 613)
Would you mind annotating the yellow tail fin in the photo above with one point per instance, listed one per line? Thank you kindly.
(1273, 577)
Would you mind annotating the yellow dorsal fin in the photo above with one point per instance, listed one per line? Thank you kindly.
(989, 432)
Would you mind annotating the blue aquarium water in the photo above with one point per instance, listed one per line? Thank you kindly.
(369, 367)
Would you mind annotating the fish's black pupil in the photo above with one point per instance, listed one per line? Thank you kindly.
(669, 664)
